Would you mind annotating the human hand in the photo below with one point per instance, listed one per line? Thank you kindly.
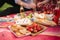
(39, 4)
(32, 5)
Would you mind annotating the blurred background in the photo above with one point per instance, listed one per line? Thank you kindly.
(5, 6)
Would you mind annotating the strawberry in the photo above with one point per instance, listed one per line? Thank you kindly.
(34, 27)
(29, 28)
(35, 31)
(34, 24)
(38, 28)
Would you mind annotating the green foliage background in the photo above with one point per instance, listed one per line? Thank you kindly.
(5, 6)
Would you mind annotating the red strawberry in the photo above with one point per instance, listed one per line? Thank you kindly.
(38, 28)
(34, 24)
(34, 27)
(35, 31)
(29, 28)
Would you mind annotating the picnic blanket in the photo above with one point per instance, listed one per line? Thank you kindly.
(48, 34)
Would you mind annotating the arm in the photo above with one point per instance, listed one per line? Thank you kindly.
(31, 5)
(21, 3)
(41, 3)
(45, 1)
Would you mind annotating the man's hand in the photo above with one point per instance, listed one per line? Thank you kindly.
(32, 5)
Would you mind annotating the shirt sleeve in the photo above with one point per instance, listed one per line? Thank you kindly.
(16, 1)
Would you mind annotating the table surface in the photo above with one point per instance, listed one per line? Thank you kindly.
(52, 33)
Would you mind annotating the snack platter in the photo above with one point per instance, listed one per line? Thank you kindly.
(32, 34)
(44, 28)
(15, 33)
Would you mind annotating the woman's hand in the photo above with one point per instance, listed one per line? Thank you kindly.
(39, 4)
